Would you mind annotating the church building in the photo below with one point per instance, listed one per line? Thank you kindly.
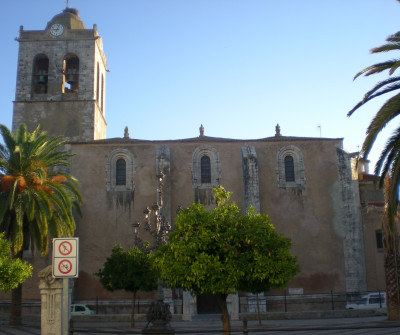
(308, 186)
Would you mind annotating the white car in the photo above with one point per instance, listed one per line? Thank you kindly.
(80, 309)
(373, 300)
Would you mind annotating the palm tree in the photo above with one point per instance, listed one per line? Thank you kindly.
(37, 195)
(388, 164)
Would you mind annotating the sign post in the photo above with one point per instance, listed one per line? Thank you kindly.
(65, 266)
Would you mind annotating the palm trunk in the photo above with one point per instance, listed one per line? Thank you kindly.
(226, 324)
(392, 285)
(133, 309)
(391, 254)
(16, 298)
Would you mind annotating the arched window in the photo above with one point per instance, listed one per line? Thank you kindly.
(71, 74)
(98, 83)
(205, 170)
(120, 172)
(40, 74)
(102, 92)
(289, 168)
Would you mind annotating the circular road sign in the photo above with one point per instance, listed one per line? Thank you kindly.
(65, 266)
(65, 248)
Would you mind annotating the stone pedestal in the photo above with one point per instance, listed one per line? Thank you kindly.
(187, 309)
(51, 301)
(233, 306)
(168, 299)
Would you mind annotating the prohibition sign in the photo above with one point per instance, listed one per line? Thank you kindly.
(65, 266)
(65, 248)
(65, 257)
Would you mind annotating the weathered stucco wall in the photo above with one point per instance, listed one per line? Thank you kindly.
(308, 216)
(372, 202)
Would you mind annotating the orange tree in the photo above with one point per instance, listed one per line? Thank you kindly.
(130, 270)
(36, 197)
(13, 271)
(221, 251)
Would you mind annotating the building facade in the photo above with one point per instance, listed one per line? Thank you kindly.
(306, 185)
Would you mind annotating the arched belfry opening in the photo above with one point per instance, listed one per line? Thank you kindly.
(40, 74)
(71, 74)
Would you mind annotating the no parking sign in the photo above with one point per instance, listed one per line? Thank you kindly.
(65, 257)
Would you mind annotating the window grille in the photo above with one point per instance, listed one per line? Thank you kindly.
(289, 168)
(120, 177)
(205, 170)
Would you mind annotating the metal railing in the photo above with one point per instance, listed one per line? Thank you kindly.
(247, 304)
(305, 302)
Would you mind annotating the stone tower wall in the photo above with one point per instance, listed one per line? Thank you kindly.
(76, 115)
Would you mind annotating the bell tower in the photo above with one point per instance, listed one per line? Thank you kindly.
(61, 79)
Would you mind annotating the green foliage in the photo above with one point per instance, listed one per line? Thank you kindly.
(36, 199)
(389, 160)
(221, 251)
(130, 270)
(12, 271)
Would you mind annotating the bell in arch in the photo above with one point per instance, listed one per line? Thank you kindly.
(42, 79)
(71, 79)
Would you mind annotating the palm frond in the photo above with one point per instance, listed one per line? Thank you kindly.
(394, 37)
(388, 111)
(77, 208)
(3, 205)
(18, 239)
(374, 92)
(387, 89)
(395, 45)
(387, 156)
(30, 203)
(8, 138)
(376, 68)
(40, 222)
(394, 67)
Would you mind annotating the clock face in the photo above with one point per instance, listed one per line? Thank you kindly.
(57, 29)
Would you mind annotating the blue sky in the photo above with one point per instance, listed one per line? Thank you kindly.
(238, 67)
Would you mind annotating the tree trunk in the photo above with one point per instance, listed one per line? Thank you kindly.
(133, 309)
(226, 324)
(16, 298)
(392, 265)
(15, 314)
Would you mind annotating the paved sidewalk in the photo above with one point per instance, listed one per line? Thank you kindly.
(212, 325)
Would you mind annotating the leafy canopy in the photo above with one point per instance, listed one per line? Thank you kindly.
(12, 271)
(221, 251)
(130, 270)
(36, 196)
